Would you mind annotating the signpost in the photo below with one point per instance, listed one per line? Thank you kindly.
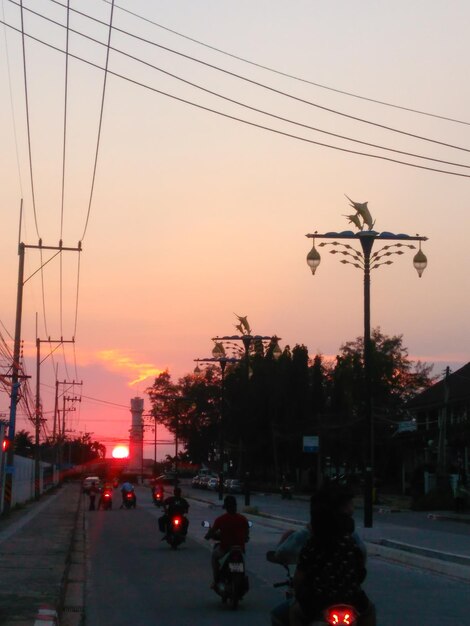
(311, 444)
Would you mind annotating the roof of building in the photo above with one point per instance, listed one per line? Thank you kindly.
(459, 389)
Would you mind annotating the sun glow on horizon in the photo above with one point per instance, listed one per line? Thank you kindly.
(120, 452)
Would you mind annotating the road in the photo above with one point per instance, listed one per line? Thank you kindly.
(134, 578)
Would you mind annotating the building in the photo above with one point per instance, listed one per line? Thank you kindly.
(442, 414)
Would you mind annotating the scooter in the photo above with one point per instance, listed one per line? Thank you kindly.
(233, 582)
(106, 500)
(129, 500)
(175, 535)
(334, 615)
(157, 497)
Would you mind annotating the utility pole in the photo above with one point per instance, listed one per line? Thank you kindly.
(38, 414)
(60, 433)
(15, 378)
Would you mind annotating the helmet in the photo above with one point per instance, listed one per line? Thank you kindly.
(230, 503)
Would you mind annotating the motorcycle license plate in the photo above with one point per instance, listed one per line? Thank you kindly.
(236, 567)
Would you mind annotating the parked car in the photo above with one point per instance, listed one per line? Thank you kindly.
(212, 483)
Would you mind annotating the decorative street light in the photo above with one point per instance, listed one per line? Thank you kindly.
(222, 361)
(366, 261)
(269, 343)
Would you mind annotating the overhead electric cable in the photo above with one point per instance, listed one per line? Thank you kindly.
(268, 87)
(247, 122)
(28, 128)
(12, 108)
(261, 111)
(65, 118)
(64, 150)
(286, 74)
(76, 315)
(101, 120)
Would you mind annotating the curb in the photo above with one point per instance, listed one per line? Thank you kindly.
(438, 566)
(46, 616)
(446, 517)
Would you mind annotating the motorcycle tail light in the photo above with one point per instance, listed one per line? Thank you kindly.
(341, 615)
(176, 521)
(107, 495)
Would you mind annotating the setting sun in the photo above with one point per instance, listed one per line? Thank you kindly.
(120, 452)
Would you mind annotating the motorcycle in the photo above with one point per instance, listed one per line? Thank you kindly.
(233, 583)
(106, 500)
(158, 497)
(176, 531)
(333, 615)
(129, 500)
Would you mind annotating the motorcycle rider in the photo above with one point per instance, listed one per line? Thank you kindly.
(174, 505)
(230, 529)
(158, 491)
(331, 566)
(93, 491)
(126, 488)
(107, 488)
(333, 497)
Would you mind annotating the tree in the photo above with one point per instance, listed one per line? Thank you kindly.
(190, 409)
(24, 443)
(395, 379)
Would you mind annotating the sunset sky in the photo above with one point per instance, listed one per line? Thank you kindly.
(195, 216)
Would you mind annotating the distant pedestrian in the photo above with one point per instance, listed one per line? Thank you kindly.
(461, 494)
(92, 493)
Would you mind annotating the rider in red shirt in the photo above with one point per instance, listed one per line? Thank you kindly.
(230, 529)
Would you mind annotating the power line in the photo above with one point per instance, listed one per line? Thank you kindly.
(243, 121)
(286, 74)
(258, 84)
(64, 148)
(12, 108)
(101, 119)
(252, 108)
(25, 77)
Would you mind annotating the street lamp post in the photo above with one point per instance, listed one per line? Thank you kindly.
(248, 340)
(367, 261)
(222, 361)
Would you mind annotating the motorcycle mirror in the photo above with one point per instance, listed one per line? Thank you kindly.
(205, 524)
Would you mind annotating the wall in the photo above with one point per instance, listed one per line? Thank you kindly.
(23, 480)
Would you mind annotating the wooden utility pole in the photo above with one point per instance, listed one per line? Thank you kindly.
(38, 420)
(15, 376)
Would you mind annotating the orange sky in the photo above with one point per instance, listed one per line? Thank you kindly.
(195, 216)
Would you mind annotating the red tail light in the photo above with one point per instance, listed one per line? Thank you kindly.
(341, 615)
(176, 521)
(106, 495)
(129, 496)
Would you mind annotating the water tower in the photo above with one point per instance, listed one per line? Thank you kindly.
(136, 437)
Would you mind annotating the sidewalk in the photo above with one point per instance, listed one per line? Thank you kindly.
(36, 545)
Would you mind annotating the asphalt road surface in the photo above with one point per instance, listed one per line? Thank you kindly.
(135, 579)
